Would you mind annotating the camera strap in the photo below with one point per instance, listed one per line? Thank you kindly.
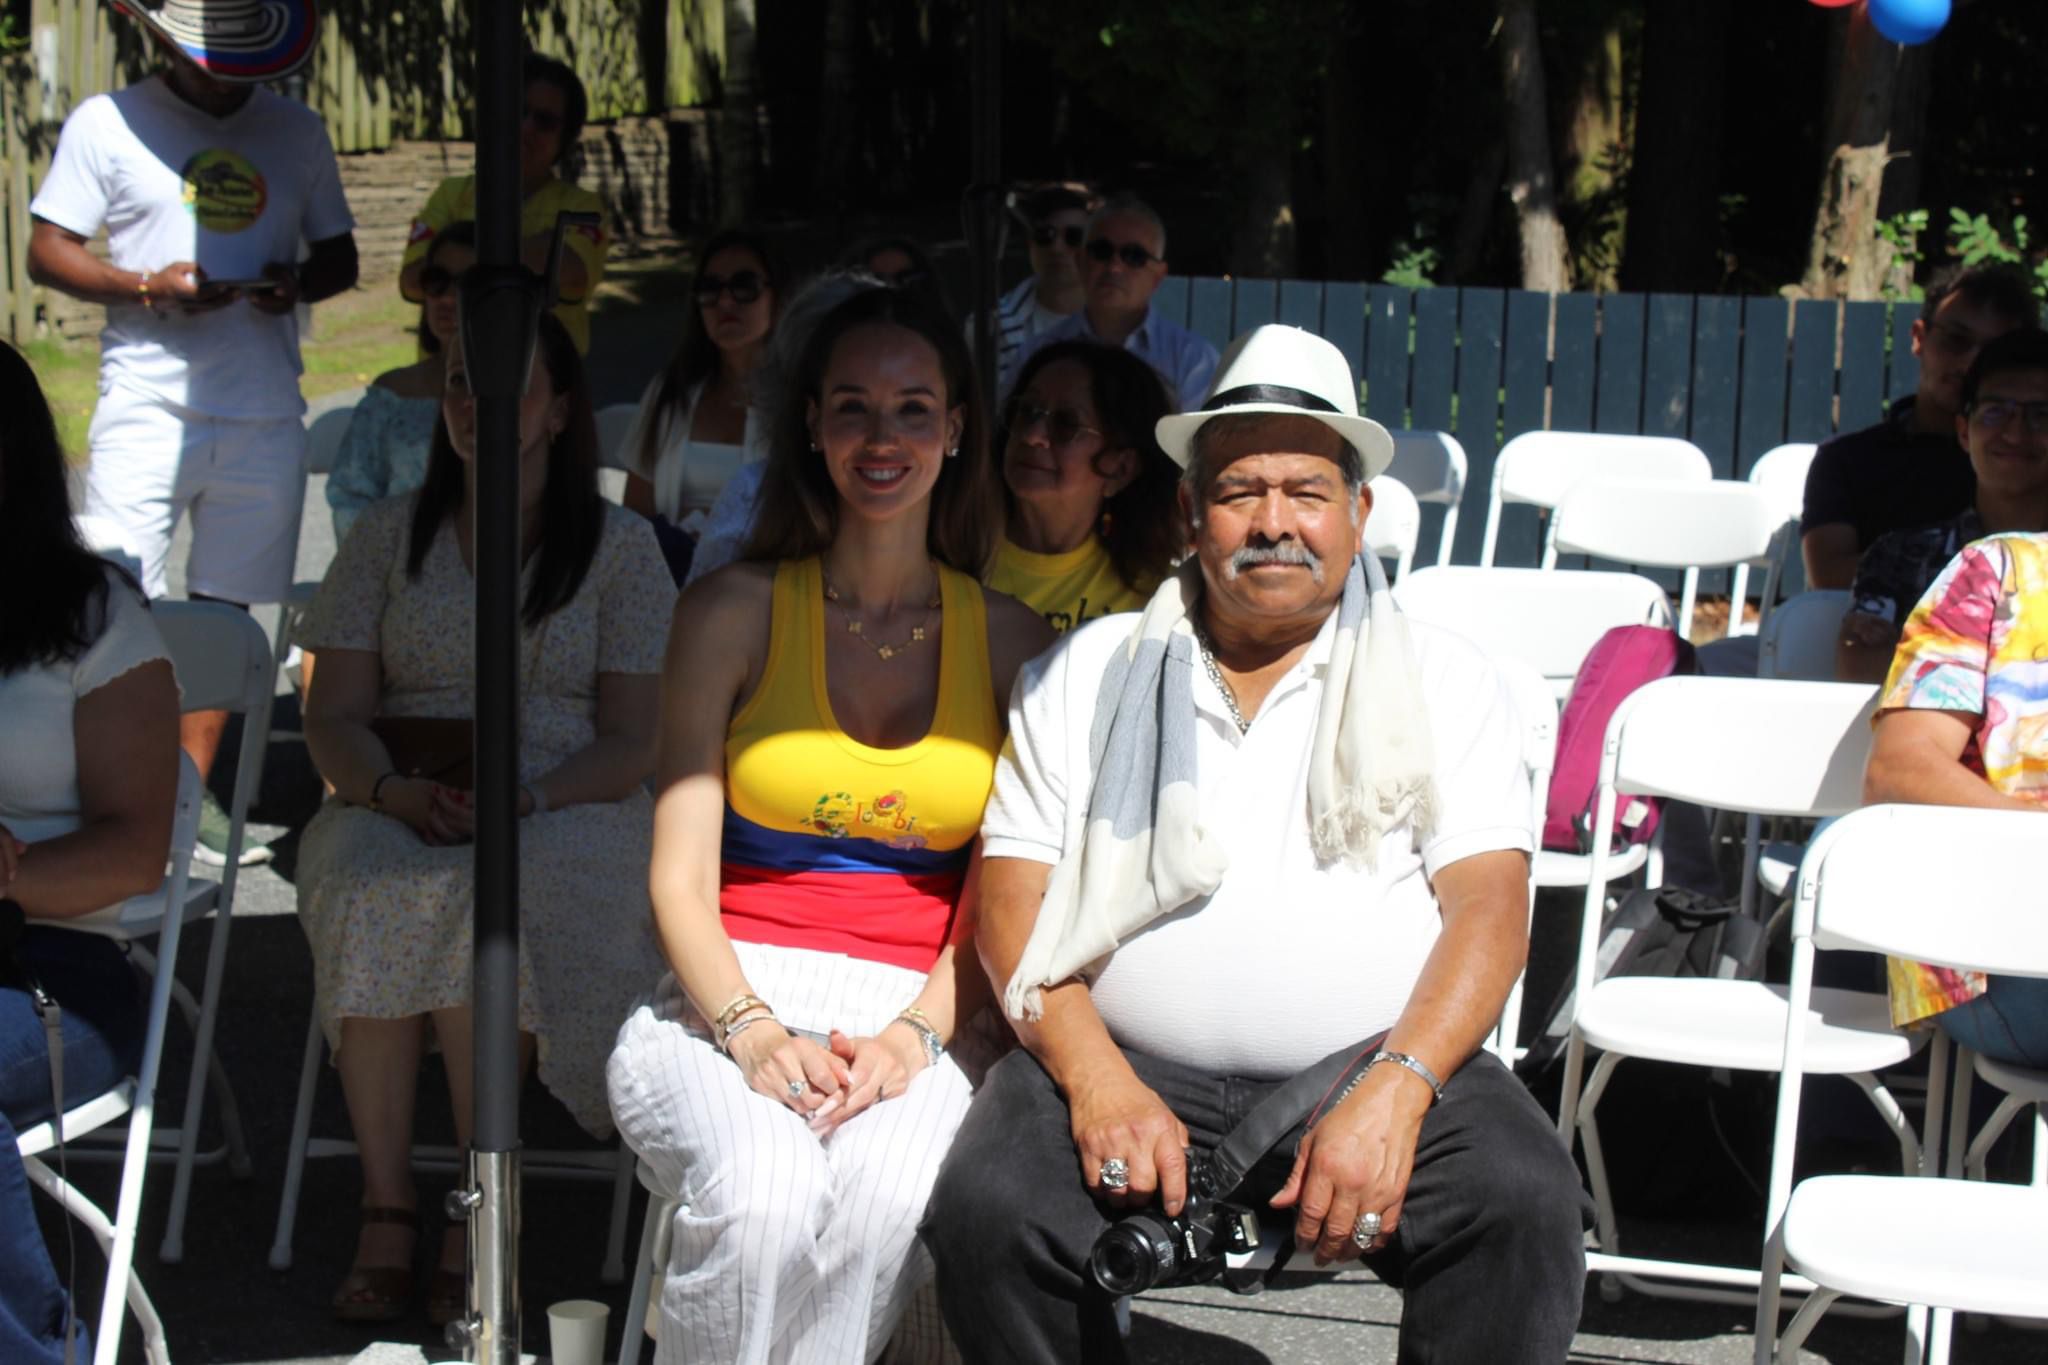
(1295, 1103)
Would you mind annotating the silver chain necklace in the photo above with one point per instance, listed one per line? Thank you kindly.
(1216, 676)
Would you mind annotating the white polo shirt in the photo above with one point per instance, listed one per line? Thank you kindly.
(1290, 959)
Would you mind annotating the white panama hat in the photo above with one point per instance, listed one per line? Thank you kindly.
(1283, 370)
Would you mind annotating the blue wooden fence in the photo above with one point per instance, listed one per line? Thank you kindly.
(1735, 376)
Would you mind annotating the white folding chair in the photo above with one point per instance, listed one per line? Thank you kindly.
(1781, 473)
(1735, 744)
(1719, 524)
(1797, 642)
(1870, 1236)
(105, 538)
(223, 662)
(1539, 467)
(135, 1097)
(323, 445)
(1394, 524)
(1547, 620)
(614, 425)
(1432, 464)
(1535, 703)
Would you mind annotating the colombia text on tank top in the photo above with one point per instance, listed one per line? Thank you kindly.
(835, 845)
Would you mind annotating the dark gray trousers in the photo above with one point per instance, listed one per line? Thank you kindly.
(1489, 1254)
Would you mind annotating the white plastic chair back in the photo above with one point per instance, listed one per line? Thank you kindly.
(324, 436)
(1781, 472)
(1547, 620)
(614, 425)
(1798, 638)
(1857, 891)
(220, 654)
(1393, 525)
(1540, 467)
(1433, 465)
(105, 538)
(1714, 525)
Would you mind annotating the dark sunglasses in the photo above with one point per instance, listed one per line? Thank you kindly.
(1061, 424)
(744, 285)
(1130, 253)
(437, 280)
(1045, 234)
(1994, 413)
(543, 120)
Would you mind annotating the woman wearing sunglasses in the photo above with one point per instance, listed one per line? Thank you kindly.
(385, 450)
(553, 120)
(695, 428)
(1092, 520)
(1056, 228)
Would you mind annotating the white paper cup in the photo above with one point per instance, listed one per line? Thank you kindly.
(576, 1332)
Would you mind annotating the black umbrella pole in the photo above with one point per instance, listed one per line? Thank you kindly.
(985, 199)
(498, 333)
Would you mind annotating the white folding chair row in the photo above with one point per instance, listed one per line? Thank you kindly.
(1535, 704)
(1717, 524)
(1538, 468)
(1797, 642)
(1432, 464)
(1875, 1236)
(1547, 620)
(135, 1097)
(1734, 744)
(324, 436)
(1780, 473)
(1393, 525)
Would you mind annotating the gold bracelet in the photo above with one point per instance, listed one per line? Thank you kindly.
(735, 1007)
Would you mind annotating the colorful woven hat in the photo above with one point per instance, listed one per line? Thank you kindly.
(242, 41)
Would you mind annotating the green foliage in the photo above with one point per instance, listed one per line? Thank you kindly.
(1974, 239)
(1901, 232)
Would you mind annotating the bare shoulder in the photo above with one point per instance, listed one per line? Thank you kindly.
(721, 621)
(1016, 635)
(408, 381)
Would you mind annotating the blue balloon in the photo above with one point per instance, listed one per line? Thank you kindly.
(1908, 21)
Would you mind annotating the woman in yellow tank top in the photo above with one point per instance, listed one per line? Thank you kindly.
(832, 707)
(1092, 522)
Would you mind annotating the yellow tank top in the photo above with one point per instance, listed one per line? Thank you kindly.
(791, 770)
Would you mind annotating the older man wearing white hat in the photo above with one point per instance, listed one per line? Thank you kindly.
(1255, 886)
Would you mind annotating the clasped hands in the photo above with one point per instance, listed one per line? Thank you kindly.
(827, 1085)
(1356, 1159)
(438, 813)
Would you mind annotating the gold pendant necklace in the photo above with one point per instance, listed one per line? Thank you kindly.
(858, 630)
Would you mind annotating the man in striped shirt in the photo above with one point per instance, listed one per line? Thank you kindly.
(1056, 225)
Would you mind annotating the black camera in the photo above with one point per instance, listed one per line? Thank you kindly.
(1147, 1250)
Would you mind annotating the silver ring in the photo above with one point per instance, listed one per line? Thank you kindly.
(1366, 1230)
(1115, 1174)
(796, 1089)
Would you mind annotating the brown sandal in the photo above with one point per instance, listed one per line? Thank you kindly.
(379, 1293)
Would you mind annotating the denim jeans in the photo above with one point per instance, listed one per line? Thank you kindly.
(2008, 1023)
(103, 1021)
(1489, 1253)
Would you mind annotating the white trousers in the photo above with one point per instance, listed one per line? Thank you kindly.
(787, 1248)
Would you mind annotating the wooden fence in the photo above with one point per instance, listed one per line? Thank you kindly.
(1735, 376)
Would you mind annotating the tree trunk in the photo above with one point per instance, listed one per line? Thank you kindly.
(1532, 183)
(1595, 138)
(1844, 259)
(1475, 214)
(739, 121)
(1264, 241)
(1673, 210)
(838, 116)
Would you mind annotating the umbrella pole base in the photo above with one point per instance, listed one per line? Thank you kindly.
(489, 1333)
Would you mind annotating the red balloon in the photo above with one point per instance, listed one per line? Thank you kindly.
(1833, 4)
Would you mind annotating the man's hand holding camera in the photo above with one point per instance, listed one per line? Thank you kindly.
(1356, 1160)
(1116, 1117)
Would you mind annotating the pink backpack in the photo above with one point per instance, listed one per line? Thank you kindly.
(1622, 660)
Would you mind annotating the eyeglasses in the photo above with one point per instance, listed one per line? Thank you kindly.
(1062, 425)
(1045, 234)
(744, 285)
(543, 120)
(1130, 253)
(1994, 413)
(437, 280)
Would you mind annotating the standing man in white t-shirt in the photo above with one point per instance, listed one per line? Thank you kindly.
(207, 187)
(1266, 834)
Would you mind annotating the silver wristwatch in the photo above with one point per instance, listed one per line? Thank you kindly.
(926, 1035)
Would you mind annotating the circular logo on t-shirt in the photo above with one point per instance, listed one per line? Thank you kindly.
(224, 190)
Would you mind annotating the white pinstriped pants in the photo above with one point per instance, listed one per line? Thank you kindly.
(787, 1249)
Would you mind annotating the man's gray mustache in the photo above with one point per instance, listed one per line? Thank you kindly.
(1280, 552)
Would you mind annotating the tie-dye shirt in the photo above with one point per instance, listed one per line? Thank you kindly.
(1978, 644)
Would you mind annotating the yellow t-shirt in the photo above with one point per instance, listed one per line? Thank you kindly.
(1065, 589)
(454, 201)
